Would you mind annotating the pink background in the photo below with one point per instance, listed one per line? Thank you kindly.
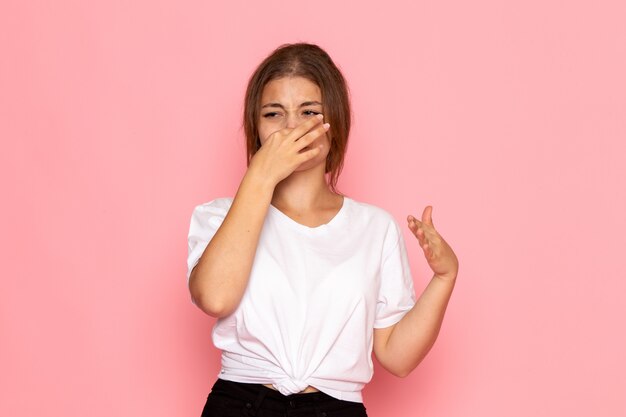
(118, 117)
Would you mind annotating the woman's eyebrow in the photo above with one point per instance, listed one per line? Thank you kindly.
(304, 104)
(310, 103)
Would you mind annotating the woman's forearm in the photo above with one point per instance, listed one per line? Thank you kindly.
(218, 281)
(414, 335)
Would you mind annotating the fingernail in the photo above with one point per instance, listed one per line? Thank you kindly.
(326, 126)
(320, 116)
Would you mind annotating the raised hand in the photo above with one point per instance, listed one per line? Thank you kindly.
(439, 255)
(283, 151)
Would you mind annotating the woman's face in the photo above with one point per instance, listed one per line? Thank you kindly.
(287, 102)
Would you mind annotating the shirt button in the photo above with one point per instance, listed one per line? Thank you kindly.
(292, 404)
(223, 371)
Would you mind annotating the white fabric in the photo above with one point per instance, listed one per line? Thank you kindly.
(313, 298)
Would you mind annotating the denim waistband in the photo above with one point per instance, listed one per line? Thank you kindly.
(250, 392)
(256, 399)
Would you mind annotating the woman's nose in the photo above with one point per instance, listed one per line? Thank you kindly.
(292, 121)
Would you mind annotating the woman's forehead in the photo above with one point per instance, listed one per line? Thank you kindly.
(291, 90)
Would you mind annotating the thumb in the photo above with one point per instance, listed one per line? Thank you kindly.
(427, 216)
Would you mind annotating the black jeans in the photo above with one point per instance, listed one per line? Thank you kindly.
(228, 398)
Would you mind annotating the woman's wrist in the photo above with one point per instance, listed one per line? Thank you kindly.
(257, 182)
(447, 278)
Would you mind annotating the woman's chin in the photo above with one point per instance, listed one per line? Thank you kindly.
(311, 164)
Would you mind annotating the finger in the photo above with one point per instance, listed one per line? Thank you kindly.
(419, 234)
(427, 215)
(303, 128)
(310, 137)
(427, 251)
(412, 220)
(308, 154)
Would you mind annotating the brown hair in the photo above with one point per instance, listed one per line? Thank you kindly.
(313, 63)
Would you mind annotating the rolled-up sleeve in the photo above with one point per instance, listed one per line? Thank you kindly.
(396, 294)
(205, 220)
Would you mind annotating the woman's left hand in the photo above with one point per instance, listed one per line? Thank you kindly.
(438, 253)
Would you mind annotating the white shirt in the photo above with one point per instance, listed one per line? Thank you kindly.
(313, 298)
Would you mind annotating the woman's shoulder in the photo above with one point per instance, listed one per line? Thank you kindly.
(371, 210)
(223, 202)
(219, 205)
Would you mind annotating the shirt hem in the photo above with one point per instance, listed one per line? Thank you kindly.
(340, 395)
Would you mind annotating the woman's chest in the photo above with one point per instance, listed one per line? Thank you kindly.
(303, 275)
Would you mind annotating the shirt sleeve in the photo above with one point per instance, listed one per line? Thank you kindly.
(205, 220)
(396, 295)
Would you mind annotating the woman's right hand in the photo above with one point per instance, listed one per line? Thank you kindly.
(281, 153)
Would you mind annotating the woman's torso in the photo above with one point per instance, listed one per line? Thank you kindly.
(306, 320)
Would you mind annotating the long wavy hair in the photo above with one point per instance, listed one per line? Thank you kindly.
(313, 63)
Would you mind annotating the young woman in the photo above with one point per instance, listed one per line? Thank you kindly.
(305, 281)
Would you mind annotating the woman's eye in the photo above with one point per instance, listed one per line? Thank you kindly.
(310, 112)
(270, 115)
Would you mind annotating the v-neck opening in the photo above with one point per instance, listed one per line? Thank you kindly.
(293, 223)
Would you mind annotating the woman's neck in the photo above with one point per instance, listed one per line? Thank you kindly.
(303, 191)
